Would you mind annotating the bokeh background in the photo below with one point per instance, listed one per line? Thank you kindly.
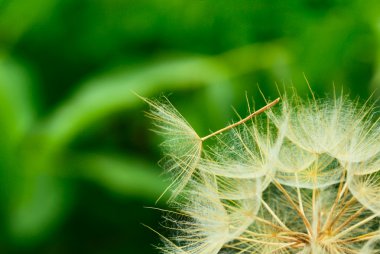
(78, 162)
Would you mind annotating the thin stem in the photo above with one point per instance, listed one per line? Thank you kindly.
(274, 214)
(346, 250)
(287, 196)
(271, 224)
(299, 195)
(315, 209)
(336, 202)
(360, 238)
(258, 241)
(242, 120)
(354, 216)
(272, 236)
(353, 227)
(342, 211)
(279, 249)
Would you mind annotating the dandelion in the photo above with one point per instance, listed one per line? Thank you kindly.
(182, 145)
(300, 178)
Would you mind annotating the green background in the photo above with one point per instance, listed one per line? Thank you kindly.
(78, 162)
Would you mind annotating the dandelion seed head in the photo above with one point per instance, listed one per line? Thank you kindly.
(300, 179)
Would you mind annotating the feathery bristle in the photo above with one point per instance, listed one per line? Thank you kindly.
(304, 179)
(182, 146)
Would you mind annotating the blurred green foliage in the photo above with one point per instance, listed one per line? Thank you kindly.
(78, 163)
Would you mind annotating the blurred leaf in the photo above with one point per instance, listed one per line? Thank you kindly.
(36, 208)
(33, 203)
(112, 91)
(271, 56)
(16, 117)
(16, 109)
(16, 16)
(375, 22)
(127, 176)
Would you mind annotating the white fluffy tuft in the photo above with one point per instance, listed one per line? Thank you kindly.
(304, 179)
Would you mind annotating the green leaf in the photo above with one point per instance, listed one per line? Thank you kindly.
(126, 176)
(111, 92)
(16, 108)
(17, 16)
(37, 206)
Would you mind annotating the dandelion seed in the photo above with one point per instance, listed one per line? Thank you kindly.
(182, 145)
(210, 221)
(304, 179)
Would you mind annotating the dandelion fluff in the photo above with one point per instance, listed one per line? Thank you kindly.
(363, 138)
(211, 221)
(369, 166)
(182, 145)
(244, 153)
(203, 227)
(372, 246)
(303, 180)
(292, 159)
(338, 127)
(366, 188)
(323, 171)
(238, 189)
(234, 169)
(303, 125)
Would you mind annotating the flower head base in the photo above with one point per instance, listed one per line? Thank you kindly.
(303, 179)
